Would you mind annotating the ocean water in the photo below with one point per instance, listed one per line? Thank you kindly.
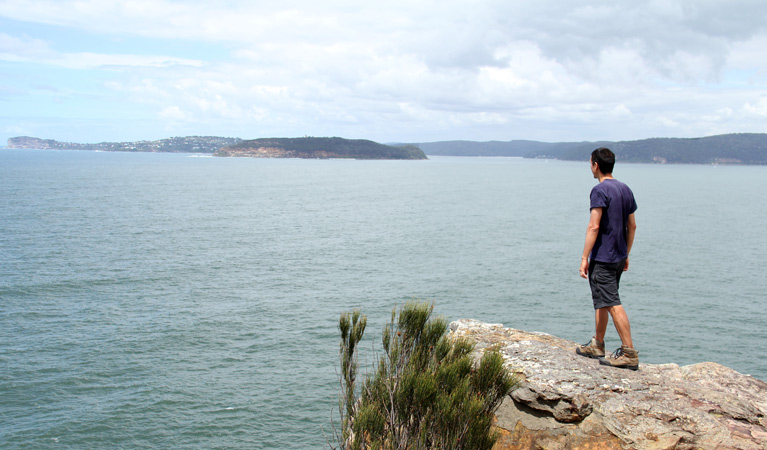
(181, 301)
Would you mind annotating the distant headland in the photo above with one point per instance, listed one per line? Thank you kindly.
(319, 148)
(306, 147)
(739, 148)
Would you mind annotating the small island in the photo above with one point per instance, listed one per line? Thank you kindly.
(319, 148)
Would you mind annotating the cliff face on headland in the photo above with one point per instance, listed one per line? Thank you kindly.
(319, 148)
(566, 401)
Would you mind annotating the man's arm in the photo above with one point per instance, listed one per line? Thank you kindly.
(591, 238)
(631, 228)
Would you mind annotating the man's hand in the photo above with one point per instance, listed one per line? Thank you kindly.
(585, 267)
(626, 267)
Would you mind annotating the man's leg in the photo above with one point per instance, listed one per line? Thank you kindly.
(621, 322)
(625, 357)
(604, 284)
(601, 318)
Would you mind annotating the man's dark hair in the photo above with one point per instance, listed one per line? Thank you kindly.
(605, 159)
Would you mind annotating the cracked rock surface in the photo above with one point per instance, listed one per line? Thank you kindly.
(566, 401)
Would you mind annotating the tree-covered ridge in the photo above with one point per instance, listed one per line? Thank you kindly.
(722, 149)
(320, 147)
(743, 148)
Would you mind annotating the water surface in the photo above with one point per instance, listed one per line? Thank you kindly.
(177, 301)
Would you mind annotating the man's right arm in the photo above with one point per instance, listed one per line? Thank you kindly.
(631, 228)
(591, 238)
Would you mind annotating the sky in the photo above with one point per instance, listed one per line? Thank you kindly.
(395, 71)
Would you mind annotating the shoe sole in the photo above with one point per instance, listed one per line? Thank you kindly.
(623, 366)
(578, 351)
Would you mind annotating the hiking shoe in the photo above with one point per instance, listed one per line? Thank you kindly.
(624, 358)
(593, 349)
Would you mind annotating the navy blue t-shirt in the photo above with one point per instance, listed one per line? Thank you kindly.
(618, 203)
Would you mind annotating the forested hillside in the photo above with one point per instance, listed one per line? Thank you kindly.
(320, 147)
(744, 148)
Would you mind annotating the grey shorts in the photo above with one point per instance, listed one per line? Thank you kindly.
(604, 279)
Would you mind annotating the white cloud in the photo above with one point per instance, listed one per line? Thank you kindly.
(173, 113)
(94, 60)
(15, 49)
(598, 69)
(758, 108)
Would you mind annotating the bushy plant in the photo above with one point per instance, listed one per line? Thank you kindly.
(425, 391)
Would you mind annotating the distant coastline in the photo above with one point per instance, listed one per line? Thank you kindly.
(189, 144)
(306, 147)
(737, 148)
(741, 148)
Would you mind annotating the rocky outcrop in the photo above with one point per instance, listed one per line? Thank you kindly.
(565, 401)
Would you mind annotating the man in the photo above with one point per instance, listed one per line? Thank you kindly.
(609, 238)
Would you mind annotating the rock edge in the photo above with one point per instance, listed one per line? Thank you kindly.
(566, 401)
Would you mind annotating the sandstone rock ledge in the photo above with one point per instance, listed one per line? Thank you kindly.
(566, 401)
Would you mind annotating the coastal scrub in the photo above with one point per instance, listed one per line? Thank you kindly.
(425, 392)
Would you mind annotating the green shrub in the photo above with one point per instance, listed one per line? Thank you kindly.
(425, 391)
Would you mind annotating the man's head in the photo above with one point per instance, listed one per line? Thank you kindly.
(604, 158)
